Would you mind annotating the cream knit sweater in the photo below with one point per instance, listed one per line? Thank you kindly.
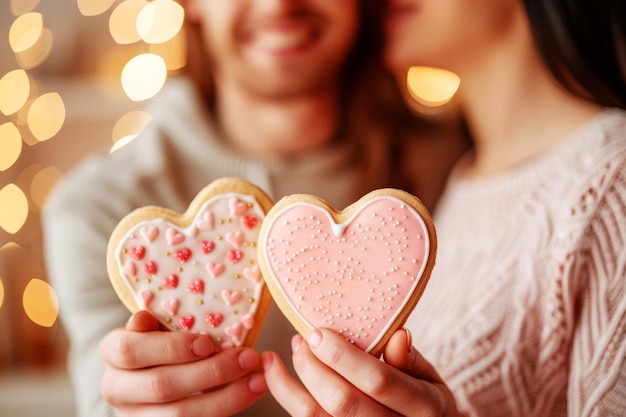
(525, 313)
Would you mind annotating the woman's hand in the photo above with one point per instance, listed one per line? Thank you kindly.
(338, 379)
(151, 372)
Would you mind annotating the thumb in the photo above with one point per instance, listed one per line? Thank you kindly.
(142, 321)
(401, 354)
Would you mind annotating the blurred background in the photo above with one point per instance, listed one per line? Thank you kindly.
(75, 76)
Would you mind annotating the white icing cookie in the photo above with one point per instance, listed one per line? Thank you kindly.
(196, 271)
(359, 271)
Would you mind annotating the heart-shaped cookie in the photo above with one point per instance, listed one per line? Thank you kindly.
(359, 271)
(196, 271)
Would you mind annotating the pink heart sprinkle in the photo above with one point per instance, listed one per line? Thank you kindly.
(230, 297)
(149, 233)
(196, 287)
(248, 321)
(186, 322)
(129, 268)
(150, 267)
(182, 255)
(206, 223)
(235, 238)
(214, 319)
(248, 222)
(234, 331)
(137, 252)
(237, 207)
(215, 269)
(206, 246)
(171, 281)
(234, 256)
(174, 237)
(171, 306)
(146, 297)
(253, 274)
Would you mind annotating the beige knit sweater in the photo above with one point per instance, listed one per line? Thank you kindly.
(525, 313)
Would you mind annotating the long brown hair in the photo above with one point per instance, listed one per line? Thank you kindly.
(583, 43)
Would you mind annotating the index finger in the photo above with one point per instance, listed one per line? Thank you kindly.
(389, 386)
(127, 349)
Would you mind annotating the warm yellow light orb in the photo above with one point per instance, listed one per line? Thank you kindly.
(160, 20)
(144, 76)
(42, 183)
(14, 91)
(174, 51)
(38, 53)
(25, 31)
(130, 124)
(19, 7)
(10, 145)
(94, 7)
(13, 208)
(432, 87)
(40, 303)
(122, 23)
(46, 116)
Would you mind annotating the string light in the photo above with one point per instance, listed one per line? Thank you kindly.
(14, 208)
(14, 91)
(11, 145)
(432, 87)
(40, 303)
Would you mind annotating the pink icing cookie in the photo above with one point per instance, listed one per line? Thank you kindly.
(198, 271)
(359, 272)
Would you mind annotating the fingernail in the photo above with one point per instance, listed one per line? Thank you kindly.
(267, 359)
(257, 384)
(314, 338)
(409, 340)
(248, 359)
(201, 346)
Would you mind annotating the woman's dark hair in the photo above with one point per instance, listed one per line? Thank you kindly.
(583, 43)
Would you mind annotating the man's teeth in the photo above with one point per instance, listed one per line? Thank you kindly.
(275, 40)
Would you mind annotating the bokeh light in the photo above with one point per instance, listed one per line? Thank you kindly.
(94, 7)
(144, 76)
(40, 303)
(13, 208)
(123, 21)
(160, 20)
(10, 145)
(14, 91)
(25, 31)
(130, 124)
(1, 292)
(42, 183)
(46, 116)
(173, 52)
(19, 7)
(432, 87)
(38, 53)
